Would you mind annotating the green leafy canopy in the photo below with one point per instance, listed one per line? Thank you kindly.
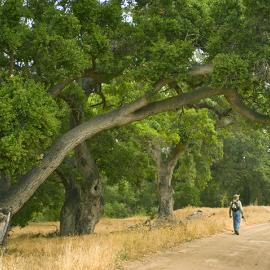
(29, 122)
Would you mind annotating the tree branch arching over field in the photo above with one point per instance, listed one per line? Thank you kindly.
(75, 46)
(134, 111)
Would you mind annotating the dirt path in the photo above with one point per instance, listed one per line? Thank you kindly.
(248, 251)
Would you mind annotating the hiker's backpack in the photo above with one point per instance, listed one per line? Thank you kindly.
(235, 206)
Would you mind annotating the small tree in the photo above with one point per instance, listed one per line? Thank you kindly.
(186, 142)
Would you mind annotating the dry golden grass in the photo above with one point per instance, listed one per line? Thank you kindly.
(113, 242)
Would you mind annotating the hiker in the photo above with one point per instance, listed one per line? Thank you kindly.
(236, 212)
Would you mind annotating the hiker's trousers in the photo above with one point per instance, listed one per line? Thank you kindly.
(236, 220)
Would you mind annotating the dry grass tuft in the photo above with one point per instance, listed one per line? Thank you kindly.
(113, 242)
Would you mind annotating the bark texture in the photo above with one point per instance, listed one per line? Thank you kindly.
(165, 168)
(165, 194)
(4, 224)
(83, 205)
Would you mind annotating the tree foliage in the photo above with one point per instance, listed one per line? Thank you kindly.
(29, 122)
(245, 168)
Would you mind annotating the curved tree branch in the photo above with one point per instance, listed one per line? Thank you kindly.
(176, 102)
(102, 78)
(56, 89)
(203, 105)
(238, 105)
(201, 70)
(135, 111)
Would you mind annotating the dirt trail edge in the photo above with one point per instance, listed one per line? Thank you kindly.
(248, 251)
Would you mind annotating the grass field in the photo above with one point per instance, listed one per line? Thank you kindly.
(36, 247)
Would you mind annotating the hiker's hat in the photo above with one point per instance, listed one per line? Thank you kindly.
(236, 196)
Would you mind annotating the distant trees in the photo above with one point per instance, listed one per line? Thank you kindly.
(244, 169)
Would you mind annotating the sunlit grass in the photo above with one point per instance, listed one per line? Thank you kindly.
(113, 242)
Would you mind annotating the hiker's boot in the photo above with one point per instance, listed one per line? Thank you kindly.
(237, 232)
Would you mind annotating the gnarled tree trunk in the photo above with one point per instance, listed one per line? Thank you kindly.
(165, 193)
(80, 212)
(5, 216)
(83, 206)
(69, 211)
(5, 183)
(165, 168)
(83, 203)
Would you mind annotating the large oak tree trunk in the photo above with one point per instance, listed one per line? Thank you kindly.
(80, 212)
(83, 203)
(69, 211)
(165, 194)
(4, 224)
(5, 183)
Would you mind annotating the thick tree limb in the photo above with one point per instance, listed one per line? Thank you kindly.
(131, 112)
(56, 89)
(133, 106)
(201, 70)
(4, 224)
(238, 105)
(203, 105)
(135, 111)
(101, 78)
(176, 102)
